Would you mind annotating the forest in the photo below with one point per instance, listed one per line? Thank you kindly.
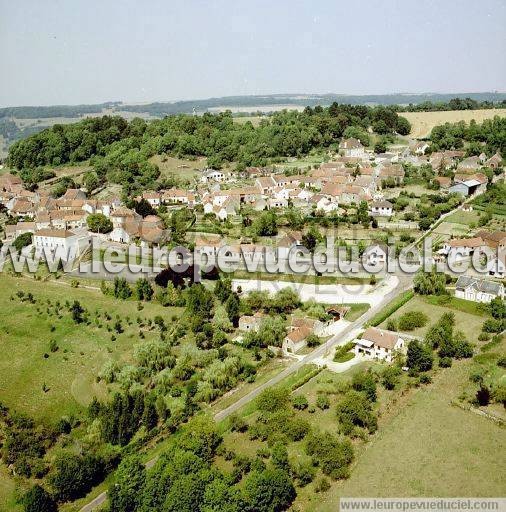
(119, 150)
(488, 137)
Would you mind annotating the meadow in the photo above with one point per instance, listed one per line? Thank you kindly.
(469, 317)
(428, 448)
(47, 384)
(423, 122)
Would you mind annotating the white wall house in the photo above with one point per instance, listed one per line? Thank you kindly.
(478, 290)
(68, 243)
(382, 208)
(379, 344)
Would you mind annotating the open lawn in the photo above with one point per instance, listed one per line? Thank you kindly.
(468, 318)
(423, 122)
(184, 169)
(429, 448)
(254, 120)
(68, 374)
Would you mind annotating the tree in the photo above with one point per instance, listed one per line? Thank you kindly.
(266, 224)
(311, 239)
(364, 381)
(355, 410)
(270, 490)
(223, 289)
(74, 475)
(380, 146)
(144, 208)
(77, 312)
(329, 452)
(279, 456)
(23, 240)
(99, 223)
(403, 126)
(125, 494)
(37, 499)
(272, 400)
(497, 308)
(121, 288)
(419, 356)
(232, 305)
(143, 289)
(91, 181)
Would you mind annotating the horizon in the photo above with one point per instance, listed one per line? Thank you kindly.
(266, 95)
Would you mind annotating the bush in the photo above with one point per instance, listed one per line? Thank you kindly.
(445, 362)
(392, 308)
(272, 400)
(355, 410)
(390, 377)
(300, 402)
(37, 499)
(412, 320)
(322, 485)
(322, 401)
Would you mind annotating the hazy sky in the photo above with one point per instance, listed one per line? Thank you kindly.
(87, 51)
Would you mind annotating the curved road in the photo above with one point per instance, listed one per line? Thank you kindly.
(404, 284)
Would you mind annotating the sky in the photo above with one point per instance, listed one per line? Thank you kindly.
(91, 51)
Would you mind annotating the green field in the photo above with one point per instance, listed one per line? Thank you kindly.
(468, 317)
(186, 169)
(429, 448)
(70, 372)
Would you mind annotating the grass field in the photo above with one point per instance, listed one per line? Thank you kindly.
(429, 448)
(70, 372)
(185, 169)
(423, 122)
(467, 318)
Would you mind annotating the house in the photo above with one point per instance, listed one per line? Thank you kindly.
(324, 203)
(277, 203)
(296, 337)
(494, 240)
(494, 161)
(379, 344)
(497, 266)
(212, 175)
(469, 165)
(68, 242)
(468, 185)
(381, 208)
(395, 172)
(251, 322)
(152, 197)
(478, 290)
(265, 184)
(9, 181)
(375, 255)
(12, 231)
(352, 148)
(444, 182)
(72, 194)
(462, 247)
(419, 148)
(288, 242)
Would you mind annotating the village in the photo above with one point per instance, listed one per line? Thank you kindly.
(353, 181)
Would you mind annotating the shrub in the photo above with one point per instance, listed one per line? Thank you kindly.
(300, 402)
(355, 410)
(412, 320)
(390, 377)
(445, 362)
(322, 401)
(483, 396)
(322, 485)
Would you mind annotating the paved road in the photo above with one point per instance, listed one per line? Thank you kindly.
(403, 284)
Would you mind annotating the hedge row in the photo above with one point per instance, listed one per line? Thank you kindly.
(391, 308)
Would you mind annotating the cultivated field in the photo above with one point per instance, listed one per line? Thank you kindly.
(423, 122)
